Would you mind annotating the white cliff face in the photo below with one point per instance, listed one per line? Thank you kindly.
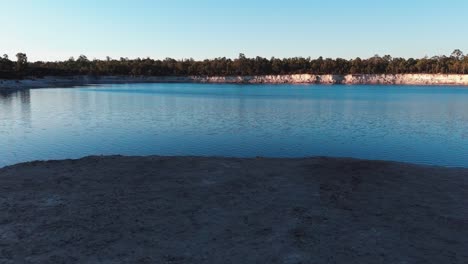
(412, 79)
(389, 79)
(273, 79)
(296, 78)
(402, 79)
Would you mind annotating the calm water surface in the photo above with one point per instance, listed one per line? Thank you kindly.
(427, 125)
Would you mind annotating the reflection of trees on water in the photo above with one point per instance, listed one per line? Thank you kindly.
(4, 94)
(16, 103)
(15, 116)
(25, 98)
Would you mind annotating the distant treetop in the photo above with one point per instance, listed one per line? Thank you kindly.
(456, 63)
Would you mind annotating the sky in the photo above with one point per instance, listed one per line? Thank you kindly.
(58, 29)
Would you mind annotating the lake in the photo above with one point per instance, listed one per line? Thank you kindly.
(424, 125)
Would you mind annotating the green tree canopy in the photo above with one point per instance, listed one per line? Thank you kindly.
(456, 63)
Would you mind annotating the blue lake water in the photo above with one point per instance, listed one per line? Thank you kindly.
(426, 125)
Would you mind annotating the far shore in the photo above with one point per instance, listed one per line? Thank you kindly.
(351, 79)
(156, 209)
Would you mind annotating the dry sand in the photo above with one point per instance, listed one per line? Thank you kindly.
(227, 210)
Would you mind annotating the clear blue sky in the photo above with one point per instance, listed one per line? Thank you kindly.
(58, 29)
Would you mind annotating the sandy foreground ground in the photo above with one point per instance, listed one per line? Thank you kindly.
(227, 210)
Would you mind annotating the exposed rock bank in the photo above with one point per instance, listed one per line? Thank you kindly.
(401, 79)
(228, 210)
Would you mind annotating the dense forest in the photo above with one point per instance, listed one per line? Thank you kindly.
(456, 63)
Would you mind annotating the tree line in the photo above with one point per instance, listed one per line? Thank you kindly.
(456, 63)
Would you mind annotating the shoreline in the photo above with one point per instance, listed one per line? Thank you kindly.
(350, 79)
(248, 210)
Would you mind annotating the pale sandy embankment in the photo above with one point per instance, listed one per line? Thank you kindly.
(229, 210)
(388, 79)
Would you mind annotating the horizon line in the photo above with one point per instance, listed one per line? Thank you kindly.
(232, 58)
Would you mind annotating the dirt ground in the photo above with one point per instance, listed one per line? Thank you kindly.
(227, 210)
